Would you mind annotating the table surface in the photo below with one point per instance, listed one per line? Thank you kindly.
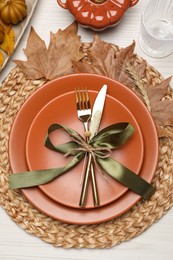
(156, 242)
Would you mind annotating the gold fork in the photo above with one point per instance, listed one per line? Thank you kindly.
(84, 114)
(83, 107)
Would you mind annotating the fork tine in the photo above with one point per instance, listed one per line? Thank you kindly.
(84, 99)
(80, 99)
(87, 99)
(77, 99)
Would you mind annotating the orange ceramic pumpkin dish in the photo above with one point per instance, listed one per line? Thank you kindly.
(97, 14)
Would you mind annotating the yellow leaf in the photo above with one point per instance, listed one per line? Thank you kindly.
(8, 44)
(7, 27)
(1, 59)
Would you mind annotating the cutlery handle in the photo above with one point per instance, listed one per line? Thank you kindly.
(94, 186)
(85, 183)
(89, 169)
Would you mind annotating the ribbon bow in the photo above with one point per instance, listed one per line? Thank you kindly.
(100, 147)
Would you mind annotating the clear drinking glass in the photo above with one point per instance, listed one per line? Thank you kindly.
(156, 32)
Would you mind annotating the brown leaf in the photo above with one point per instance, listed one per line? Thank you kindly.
(54, 61)
(102, 56)
(162, 113)
(161, 108)
(139, 69)
(156, 93)
(137, 72)
(104, 62)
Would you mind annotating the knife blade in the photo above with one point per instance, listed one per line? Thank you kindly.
(97, 111)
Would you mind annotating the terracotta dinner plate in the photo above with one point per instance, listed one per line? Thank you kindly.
(31, 108)
(62, 110)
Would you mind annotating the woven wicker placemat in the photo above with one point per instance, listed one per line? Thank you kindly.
(15, 89)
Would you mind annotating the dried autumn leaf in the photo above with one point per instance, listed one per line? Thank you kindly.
(161, 108)
(104, 62)
(1, 59)
(9, 41)
(137, 71)
(102, 55)
(7, 27)
(54, 61)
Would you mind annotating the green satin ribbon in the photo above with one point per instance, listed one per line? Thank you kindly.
(107, 139)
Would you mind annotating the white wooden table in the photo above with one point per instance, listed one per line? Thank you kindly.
(156, 242)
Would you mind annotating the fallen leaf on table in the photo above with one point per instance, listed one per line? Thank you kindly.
(137, 72)
(104, 62)
(54, 61)
(9, 41)
(161, 109)
(154, 96)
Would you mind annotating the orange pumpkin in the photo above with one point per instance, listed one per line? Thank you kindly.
(97, 14)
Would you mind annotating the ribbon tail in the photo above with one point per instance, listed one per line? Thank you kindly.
(127, 177)
(40, 177)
